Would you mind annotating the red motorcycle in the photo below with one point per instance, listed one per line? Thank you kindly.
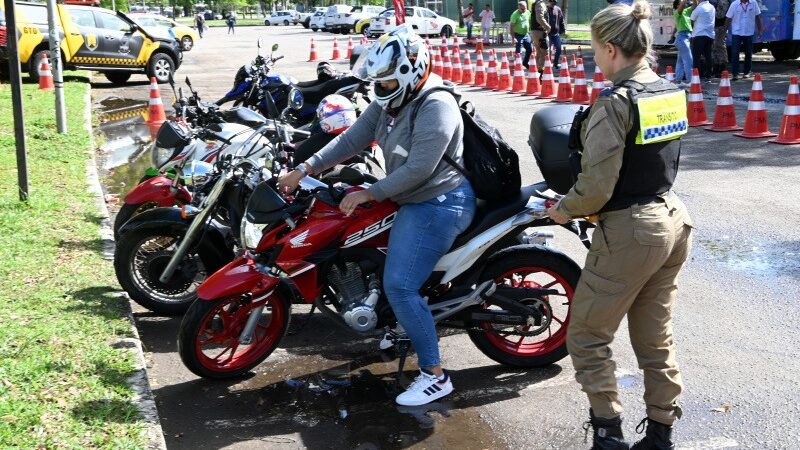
(513, 299)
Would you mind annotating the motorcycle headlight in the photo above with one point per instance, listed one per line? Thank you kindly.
(198, 173)
(295, 98)
(251, 233)
(160, 155)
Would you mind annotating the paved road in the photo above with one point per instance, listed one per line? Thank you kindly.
(735, 324)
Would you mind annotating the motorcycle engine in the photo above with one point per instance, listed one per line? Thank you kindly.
(357, 298)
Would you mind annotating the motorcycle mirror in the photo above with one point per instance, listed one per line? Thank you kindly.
(260, 43)
(171, 81)
(274, 47)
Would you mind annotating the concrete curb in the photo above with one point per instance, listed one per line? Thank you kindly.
(144, 398)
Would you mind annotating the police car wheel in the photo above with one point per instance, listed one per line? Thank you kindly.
(117, 77)
(447, 32)
(266, 23)
(286, 23)
(365, 31)
(160, 67)
(187, 43)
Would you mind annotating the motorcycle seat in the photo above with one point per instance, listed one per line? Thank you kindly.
(489, 214)
(312, 95)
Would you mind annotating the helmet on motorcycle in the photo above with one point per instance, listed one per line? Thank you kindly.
(336, 113)
(325, 71)
(401, 56)
(242, 74)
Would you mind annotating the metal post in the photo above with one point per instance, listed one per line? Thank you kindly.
(16, 100)
(55, 66)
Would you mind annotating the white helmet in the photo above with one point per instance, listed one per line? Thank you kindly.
(400, 55)
(336, 113)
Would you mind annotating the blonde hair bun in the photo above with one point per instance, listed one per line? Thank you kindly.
(641, 11)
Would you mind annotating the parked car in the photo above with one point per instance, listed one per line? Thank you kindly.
(186, 35)
(362, 26)
(279, 18)
(304, 18)
(317, 21)
(330, 15)
(424, 22)
(344, 22)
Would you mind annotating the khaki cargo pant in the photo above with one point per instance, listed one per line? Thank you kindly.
(631, 269)
(536, 36)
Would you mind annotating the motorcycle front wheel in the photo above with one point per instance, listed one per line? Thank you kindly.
(209, 336)
(531, 345)
(127, 211)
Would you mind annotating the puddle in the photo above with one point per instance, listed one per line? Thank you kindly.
(758, 258)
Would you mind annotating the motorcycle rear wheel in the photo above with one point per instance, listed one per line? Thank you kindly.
(531, 268)
(211, 325)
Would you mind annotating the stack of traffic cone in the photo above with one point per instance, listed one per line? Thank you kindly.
(564, 85)
(336, 55)
(349, 47)
(467, 76)
(518, 83)
(447, 66)
(696, 108)
(581, 94)
(755, 123)
(437, 64)
(789, 132)
(45, 75)
(670, 75)
(573, 66)
(724, 114)
(480, 71)
(313, 55)
(548, 84)
(155, 112)
(491, 74)
(455, 74)
(533, 87)
(598, 84)
(504, 82)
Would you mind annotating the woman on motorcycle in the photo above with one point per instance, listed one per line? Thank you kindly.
(437, 202)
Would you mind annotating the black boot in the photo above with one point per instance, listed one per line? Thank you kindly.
(658, 436)
(607, 433)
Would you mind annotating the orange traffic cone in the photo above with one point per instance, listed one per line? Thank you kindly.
(580, 52)
(365, 41)
(505, 74)
(564, 85)
(455, 74)
(755, 123)
(313, 54)
(479, 46)
(724, 114)
(336, 55)
(467, 76)
(581, 94)
(349, 47)
(45, 75)
(447, 66)
(533, 87)
(548, 84)
(480, 71)
(598, 84)
(518, 84)
(789, 133)
(695, 106)
(573, 66)
(670, 75)
(437, 64)
(155, 113)
(492, 79)
(654, 67)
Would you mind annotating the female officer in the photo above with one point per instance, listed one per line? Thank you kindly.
(436, 202)
(631, 145)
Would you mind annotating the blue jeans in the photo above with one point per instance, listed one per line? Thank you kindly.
(469, 30)
(421, 234)
(738, 42)
(523, 40)
(555, 41)
(684, 66)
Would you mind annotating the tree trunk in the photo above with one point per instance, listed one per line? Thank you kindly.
(564, 6)
(460, 7)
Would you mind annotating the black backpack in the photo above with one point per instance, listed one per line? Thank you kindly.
(490, 164)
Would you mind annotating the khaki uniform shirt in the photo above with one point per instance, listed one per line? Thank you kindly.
(603, 135)
(540, 15)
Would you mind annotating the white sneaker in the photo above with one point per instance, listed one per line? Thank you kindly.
(426, 388)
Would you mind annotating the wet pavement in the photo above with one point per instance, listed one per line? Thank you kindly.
(735, 323)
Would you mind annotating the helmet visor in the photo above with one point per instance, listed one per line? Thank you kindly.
(377, 63)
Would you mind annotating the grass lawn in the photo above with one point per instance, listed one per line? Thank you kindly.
(62, 385)
(584, 35)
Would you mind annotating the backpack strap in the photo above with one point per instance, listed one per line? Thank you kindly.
(415, 109)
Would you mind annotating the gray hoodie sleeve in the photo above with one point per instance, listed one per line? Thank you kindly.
(434, 126)
(349, 143)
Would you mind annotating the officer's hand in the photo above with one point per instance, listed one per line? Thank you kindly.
(288, 182)
(353, 199)
(557, 216)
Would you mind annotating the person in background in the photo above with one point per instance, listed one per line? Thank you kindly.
(231, 21)
(200, 22)
(487, 18)
(683, 35)
(744, 17)
(468, 15)
(720, 49)
(518, 27)
(540, 28)
(702, 16)
(556, 27)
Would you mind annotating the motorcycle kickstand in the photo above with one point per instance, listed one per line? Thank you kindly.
(296, 330)
(403, 346)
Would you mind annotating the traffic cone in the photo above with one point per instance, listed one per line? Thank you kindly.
(755, 123)
(724, 114)
(548, 85)
(598, 84)
(581, 94)
(670, 75)
(492, 79)
(573, 66)
(654, 67)
(789, 133)
(312, 57)
(336, 55)
(518, 84)
(695, 106)
(504, 82)
(533, 87)
(467, 76)
(349, 48)
(365, 41)
(437, 64)
(580, 52)
(480, 71)
(455, 74)
(447, 66)
(45, 75)
(479, 46)
(564, 85)
(155, 112)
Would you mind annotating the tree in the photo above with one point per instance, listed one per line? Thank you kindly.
(460, 7)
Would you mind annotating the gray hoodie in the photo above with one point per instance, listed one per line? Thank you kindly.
(414, 166)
